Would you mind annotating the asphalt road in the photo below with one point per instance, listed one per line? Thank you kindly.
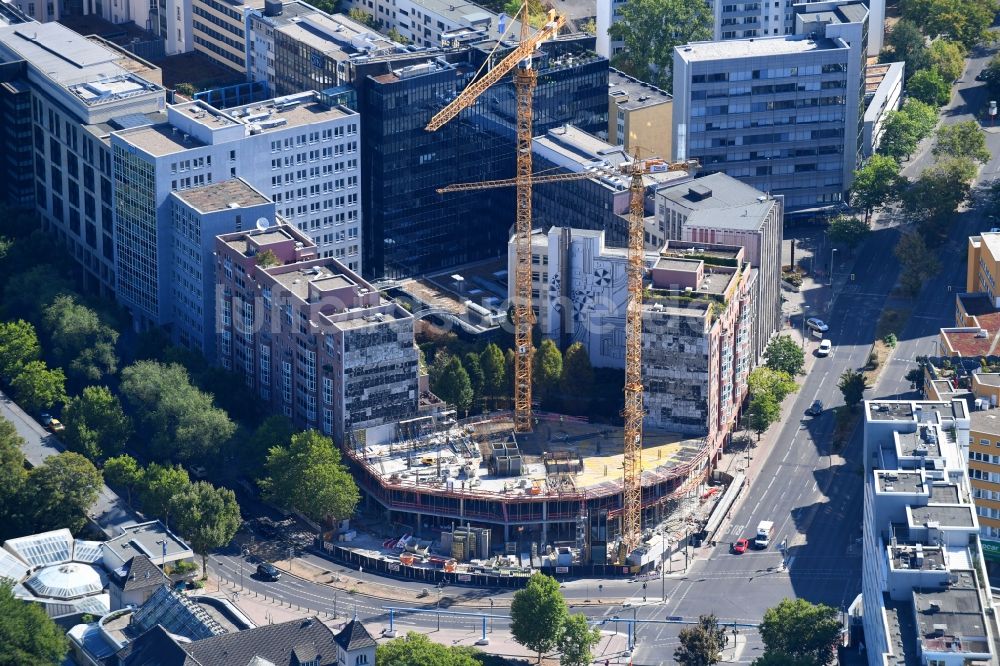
(812, 494)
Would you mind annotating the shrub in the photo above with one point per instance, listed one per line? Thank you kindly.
(889, 340)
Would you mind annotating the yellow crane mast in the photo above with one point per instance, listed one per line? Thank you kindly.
(524, 85)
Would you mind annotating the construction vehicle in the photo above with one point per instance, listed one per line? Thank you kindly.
(524, 85)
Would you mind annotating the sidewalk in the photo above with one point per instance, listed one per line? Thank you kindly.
(263, 611)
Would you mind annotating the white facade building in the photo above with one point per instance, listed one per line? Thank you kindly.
(435, 22)
(298, 150)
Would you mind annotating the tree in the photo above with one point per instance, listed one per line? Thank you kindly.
(929, 87)
(397, 36)
(208, 517)
(847, 230)
(362, 17)
(852, 385)
(123, 472)
(775, 383)
(547, 369)
(784, 355)
(762, 412)
(159, 484)
(18, 345)
(577, 641)
(12, 472)
(968, 21)
(908, 44)
(80, 341)
(494, 372)
(964, 140)
(179, 421)
(267, 258)
(418, 650)
(948, 58)
(933, 198)
(875, 184)
(276, 430)
(991, 75)
(701, 644)
(309, 476)
(509, 367)
(577, 380)
(59, 492)
(905, 128)
(673, 22)
(27, 634)
(917, 260)
(803, 631)
(536, 11)
(537, 614)
(37, 388)
(96, 425)
(26, 294)
(477, 379)
(453, 385)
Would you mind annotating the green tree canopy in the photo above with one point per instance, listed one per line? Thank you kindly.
(673, 22)
(767, 381)
(876, 184)
(477, 378)
(18, 345)
(96, 425)
(494, 372)
(931, 200)
(964, 140)
(907, 43)
(577, 381)
(159, 484)
(701, 644)
(416, 649)
(905, 128)
(453, 385)
(852, 385)
(991, 75)
(917, 260)
(12, 472)
(537, 614)
(762, 412)
(968, 21)
(27, 634)
(847, 230)
(275, 430)
(178, 421)
(80, 341)
(948, 58)
(784, 355)
(929, 87)
(37, 388)
(577, 641)
(803, 631)
(362, 17)
(27, 293)
(547, 369)
(123, 472)
(208, 517)
(309, 476)
(59, 492)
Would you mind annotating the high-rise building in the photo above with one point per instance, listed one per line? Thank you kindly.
(925, 597)
(720, 209)
(218, 29)
(783, 114)
(301, 151)
(639, 116)
(310, 336)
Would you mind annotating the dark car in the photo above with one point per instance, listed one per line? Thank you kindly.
(815, 409)
(981, 76)
(268, 571)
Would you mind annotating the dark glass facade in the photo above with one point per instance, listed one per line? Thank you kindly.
(17, 162)
(409, 228)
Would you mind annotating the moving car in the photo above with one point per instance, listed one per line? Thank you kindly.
(52, 423)
(765, 531)
(817, 324)
(825, 347)
(816, 408)
(268, 571)
(740, 546)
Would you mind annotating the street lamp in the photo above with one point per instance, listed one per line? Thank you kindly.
(832, 250)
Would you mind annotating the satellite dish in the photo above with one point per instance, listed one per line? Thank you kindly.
(263, 223)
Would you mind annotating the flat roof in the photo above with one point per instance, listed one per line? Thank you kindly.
(630, 93)
(945, 494)
(719, 200)
(471, 15)
(959, 608)
(228, 194)
(329, 34)
(755, 47)
(891, 481)
(147, 539)
(922, 442)
(297, 281)
(676, 264)
(986, 421)
(946, 516)
(160, 140)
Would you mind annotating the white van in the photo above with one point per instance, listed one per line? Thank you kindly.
(765, 530)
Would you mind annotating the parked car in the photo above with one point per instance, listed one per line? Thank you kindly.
(817, 324)
(53, 424)
(740, 546)
(825, 347)
(267, 571)
(816, 408)
(981, 76)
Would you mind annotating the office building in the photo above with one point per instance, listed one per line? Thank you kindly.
(437, 23)
(883, 94)
(309, 336)
(720, 209)
(300, 151)
(218, 29)
(409, 227)
(925, 597)
(697, 316)
(976, 333)
(639, 116)
(783, 114)
(63, 94)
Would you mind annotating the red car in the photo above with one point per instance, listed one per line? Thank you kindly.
(741, 546)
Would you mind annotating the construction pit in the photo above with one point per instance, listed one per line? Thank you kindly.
(553, 491)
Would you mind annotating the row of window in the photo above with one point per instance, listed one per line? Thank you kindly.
(313, 137)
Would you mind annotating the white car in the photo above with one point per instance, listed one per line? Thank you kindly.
(825, 347)
(817, 324)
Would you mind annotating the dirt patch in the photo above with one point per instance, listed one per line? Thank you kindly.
(879, 355)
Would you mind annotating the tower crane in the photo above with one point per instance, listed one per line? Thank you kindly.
(633, 411)
(524, 85)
